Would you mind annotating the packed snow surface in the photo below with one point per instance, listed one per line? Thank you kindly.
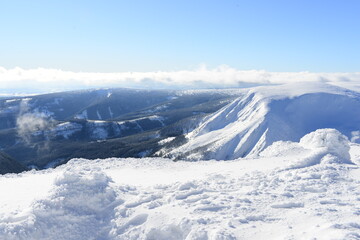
(308, 189)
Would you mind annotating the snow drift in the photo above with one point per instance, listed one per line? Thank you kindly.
(320, 146)
(265, 115)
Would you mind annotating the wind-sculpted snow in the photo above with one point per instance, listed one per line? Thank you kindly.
(277, 195)
(80, 205)
(328, 141)
(322, 145)
(265, 115)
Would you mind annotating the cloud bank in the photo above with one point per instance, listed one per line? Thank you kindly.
(18, 80)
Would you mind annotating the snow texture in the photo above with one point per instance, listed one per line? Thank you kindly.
(279, 195)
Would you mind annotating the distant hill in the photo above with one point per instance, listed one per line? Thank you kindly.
(9, 165)
(48, 130)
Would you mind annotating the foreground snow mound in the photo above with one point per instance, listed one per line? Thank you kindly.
(303, 190)
(321, 146)
(329, 141)
(81, 203)
(265, 115)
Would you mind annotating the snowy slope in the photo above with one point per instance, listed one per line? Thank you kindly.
(267, 114)
(293, 190)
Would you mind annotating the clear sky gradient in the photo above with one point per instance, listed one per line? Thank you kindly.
(154, 35)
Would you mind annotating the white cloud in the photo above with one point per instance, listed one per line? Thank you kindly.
(45, 80)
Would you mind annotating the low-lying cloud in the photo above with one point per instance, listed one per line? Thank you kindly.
(30, 123)
(49, 80)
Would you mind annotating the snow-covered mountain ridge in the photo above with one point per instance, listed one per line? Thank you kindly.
(268, 114)
(50, 129)
(47, 130)
(292, 173)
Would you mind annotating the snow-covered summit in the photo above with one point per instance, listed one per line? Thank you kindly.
(268, 114)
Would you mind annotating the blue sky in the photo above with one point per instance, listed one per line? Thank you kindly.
(153, 35)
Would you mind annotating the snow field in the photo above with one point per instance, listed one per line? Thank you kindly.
(303, 190)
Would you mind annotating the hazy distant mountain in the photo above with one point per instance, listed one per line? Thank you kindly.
(9, 165)
(47, 130)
